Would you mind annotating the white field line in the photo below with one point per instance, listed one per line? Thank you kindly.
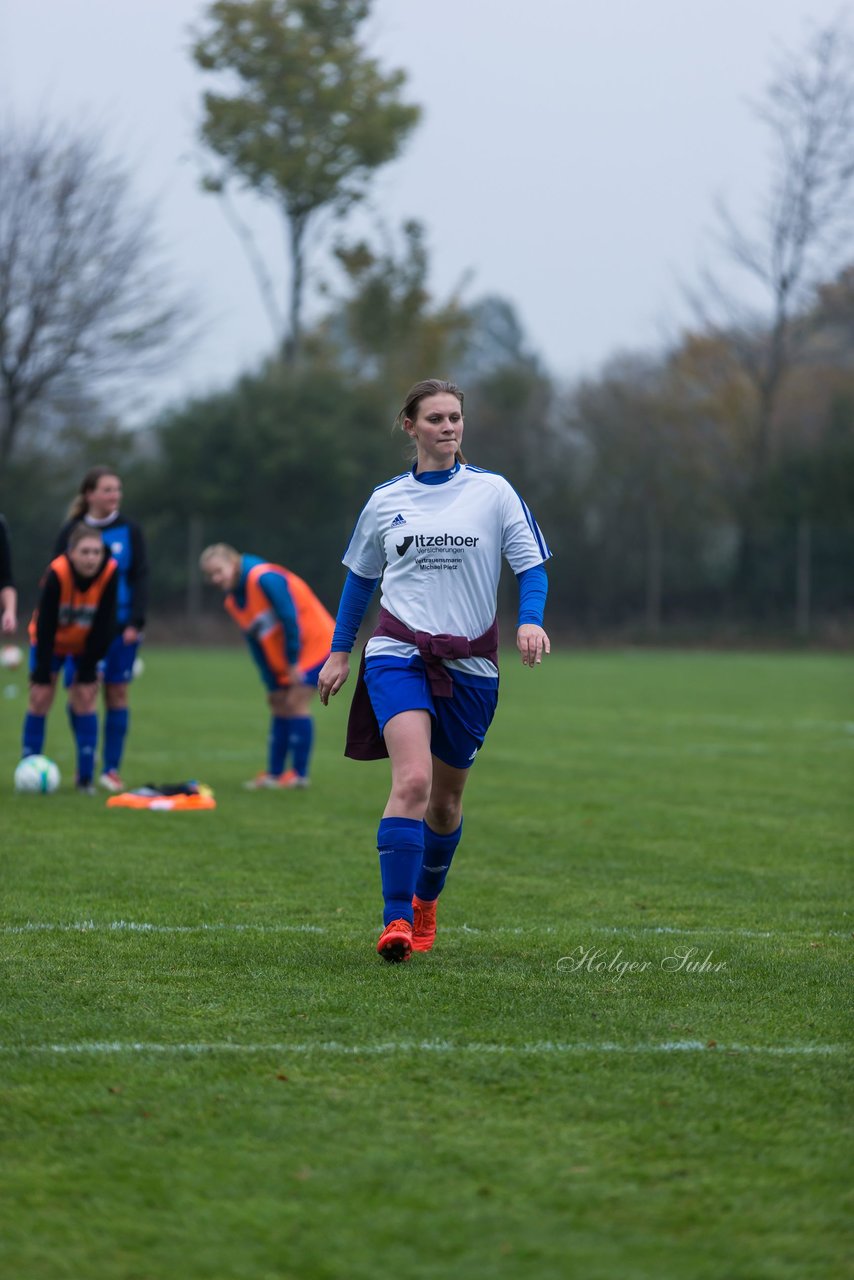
(137, 926)
(543, 1048)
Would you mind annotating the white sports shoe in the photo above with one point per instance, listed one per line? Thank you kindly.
(261, 782)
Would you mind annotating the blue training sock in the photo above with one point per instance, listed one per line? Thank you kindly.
(438, 854)
(400, 843)
(301, 739)
(86, 737)
(116, 723)
(32, 742)
(277, 744)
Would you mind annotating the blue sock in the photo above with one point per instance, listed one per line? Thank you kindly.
(301, 738)
(33, 737)
(438, 854)
(86, 737)
(400, 843)
(277, 744)
(115, 731)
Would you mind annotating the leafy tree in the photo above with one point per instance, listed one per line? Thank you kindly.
(389, 328)
(495, 341)
(779, 503)
(311, 119)
(42, 478)
(278, 465)
(637, 474)
(82, 294)
(509, 429)
(808, 494)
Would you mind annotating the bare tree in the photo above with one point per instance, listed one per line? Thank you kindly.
(82, 294)
(803, 237)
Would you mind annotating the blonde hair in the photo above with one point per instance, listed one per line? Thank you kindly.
(218, 551)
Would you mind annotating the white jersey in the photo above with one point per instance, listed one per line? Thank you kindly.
(438, 548)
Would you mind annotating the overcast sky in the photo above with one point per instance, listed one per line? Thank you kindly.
(568, 158)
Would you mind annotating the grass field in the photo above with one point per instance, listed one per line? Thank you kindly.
(625, 1057)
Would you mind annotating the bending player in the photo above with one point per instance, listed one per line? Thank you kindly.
(288, 631)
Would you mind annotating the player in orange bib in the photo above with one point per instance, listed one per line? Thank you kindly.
(288, 631)
(75, 618)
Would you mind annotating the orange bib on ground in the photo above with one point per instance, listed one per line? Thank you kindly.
(162, 804)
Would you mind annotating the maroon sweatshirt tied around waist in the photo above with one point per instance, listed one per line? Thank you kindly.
(364, 740)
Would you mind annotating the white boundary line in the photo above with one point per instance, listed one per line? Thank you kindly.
(541, 1048)
(134, 926)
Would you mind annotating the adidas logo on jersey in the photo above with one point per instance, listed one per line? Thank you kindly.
(397, 521)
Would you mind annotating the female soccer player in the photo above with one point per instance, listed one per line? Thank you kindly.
(436, 535)
(96, 507)
(8, 594)
(75, 617)
(288, 632)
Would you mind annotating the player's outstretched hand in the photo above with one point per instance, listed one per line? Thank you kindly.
(532, 642)
(333, 674)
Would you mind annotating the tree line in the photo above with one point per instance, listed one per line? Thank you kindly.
(637, 476)
(707, 485)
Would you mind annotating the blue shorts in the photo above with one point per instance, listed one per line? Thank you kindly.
(313, 674)
(270, 679)
(116, 667)
(57, 661)
(459, 723)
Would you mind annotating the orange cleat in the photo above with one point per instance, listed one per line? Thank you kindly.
(424, 927)
(395, 944)
(288, 781)
(292, 781)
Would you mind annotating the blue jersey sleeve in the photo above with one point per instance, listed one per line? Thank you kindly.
(533, 589)
(355, 597)
(276, 590)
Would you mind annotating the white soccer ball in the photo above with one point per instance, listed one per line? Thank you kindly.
(36, 774)
(11, 657)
